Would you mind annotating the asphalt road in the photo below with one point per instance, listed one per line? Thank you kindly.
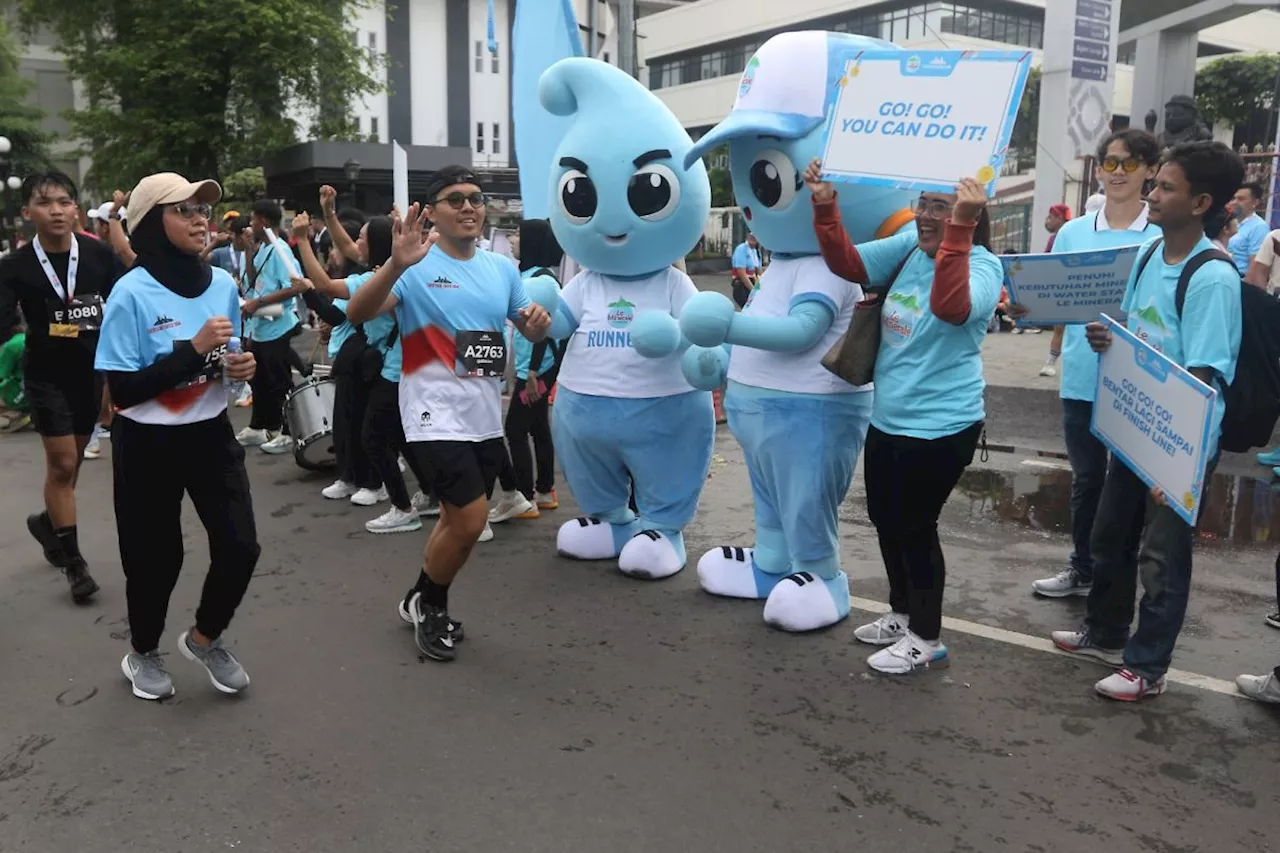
(590, 712)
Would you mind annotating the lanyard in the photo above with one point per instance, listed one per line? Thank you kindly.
(237, 262)
(73, 263)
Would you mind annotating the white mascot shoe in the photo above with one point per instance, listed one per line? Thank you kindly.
(649, 556)
(586, 539)
(729, 571)
(802, 602)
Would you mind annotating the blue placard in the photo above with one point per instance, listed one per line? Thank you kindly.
(1155, 417)
(1069, 288)
(909, 119)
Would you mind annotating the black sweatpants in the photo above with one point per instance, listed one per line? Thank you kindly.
(350, 402)
(526, 421)
(271, 383)
(384, 441)
(908, 480)
(153, 466)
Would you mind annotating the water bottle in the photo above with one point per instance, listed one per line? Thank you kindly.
(234, 388)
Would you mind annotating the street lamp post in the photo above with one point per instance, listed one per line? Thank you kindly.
(351, 169)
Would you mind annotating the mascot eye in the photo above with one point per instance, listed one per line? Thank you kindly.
(774, 179)
(577, 197)
(653, 192)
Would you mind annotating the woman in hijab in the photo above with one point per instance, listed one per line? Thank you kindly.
(164, 348)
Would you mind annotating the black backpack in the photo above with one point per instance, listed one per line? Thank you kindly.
(1253, 397)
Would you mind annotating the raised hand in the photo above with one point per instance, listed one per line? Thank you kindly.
(328, 197)
(970, 199)
(408, 242)
(822, 190)
(301, 225)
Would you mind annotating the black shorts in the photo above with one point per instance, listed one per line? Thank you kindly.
(458, 472)
(67, 406)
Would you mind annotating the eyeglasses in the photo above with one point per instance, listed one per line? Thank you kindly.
(933, 208)
(456, 200)
(1129, 164)
(189, 210)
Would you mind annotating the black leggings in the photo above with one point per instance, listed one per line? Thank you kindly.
(525, 421)
(908, 480)
(384, 441)
(153, 466)
(350, 402)
(271, 383)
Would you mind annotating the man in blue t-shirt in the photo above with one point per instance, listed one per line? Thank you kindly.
(746, 269)
(1189, 203)
(1127, 159)
(1253, 228)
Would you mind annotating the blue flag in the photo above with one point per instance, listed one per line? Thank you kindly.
(543, 37)
(493, 39)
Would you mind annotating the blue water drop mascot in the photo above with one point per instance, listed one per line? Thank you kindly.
(801, 427)
(625, 206)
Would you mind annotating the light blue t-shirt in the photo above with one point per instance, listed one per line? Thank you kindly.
(1247, 241)
(746, 258)
(522, 347)
(1208, 335)
(1091, 231)
(142, 323)
(273, 276)
(377, 332)
(341, 332)
(928, 372)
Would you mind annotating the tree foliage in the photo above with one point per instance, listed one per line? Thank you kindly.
(204, 87)
(19, 119)
(721, 187)
(245, 185)
(1026, 125)
(1233, 88)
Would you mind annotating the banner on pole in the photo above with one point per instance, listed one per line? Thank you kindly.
(399, 177)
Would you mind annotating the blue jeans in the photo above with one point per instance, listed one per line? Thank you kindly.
(1129, 520)
(1088, 458)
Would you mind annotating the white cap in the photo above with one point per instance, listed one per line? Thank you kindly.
(103, 211)
(168, 188)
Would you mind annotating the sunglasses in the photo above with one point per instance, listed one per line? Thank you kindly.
(933, 208)
(457, 200)
(190, 210)
(1128, 164)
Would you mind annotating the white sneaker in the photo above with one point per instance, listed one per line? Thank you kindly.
(1065, 583)
(425, 505)
(278, 443)
(486, 534)
(249, 437)
(1130, 687)
(1048, 370)
(93, 449)
(1260, 688)
(340, 490)
(369, 497)
(909, 654)
(395, 520)
(885, 631)
(512, 505)
(246, 398)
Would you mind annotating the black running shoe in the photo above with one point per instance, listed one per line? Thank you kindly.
(431, 631)
(83, 586)
(42, 530)
(455, 627)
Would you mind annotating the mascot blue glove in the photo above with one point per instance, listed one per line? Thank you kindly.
(801, 427)
(625, 205)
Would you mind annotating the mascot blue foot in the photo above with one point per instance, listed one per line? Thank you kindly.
(642, 553)
(797, 602)
(592, 539)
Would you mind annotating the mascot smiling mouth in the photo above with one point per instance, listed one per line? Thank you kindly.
(616, 239)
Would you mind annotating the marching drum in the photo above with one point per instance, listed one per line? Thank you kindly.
(308, 410)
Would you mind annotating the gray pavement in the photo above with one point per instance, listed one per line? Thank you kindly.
(591, 712)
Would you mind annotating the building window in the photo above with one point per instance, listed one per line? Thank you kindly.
(479, 137)
(373, 128)
(355, 122)
(479, 57)
(373, 42)
(494, 62)
(497, 142)
(355, 39)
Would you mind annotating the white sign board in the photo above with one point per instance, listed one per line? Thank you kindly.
(923, 120)
(1067, 288)
(1155, 417)
(399, 178)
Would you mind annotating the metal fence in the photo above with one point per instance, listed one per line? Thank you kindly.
(1011, 227)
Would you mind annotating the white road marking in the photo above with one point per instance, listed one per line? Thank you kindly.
(1044, 644)
(1050, 464)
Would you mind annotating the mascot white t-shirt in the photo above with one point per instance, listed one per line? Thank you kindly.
(600, 351)
(797, 372)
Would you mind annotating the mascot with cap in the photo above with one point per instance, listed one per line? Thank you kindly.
(801, 427)
(626, 202)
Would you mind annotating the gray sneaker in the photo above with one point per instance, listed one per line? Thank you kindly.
(147, 675)
(226, 673)
(1065, 583)
(1260, 688)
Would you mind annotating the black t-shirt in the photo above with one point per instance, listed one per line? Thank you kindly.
(24, 285)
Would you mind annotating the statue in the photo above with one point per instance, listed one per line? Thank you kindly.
(1182, 123)
(1149, 121)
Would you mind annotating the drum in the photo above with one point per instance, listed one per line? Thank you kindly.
(308, 410)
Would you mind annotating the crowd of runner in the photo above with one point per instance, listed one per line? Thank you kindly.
(147, 329)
